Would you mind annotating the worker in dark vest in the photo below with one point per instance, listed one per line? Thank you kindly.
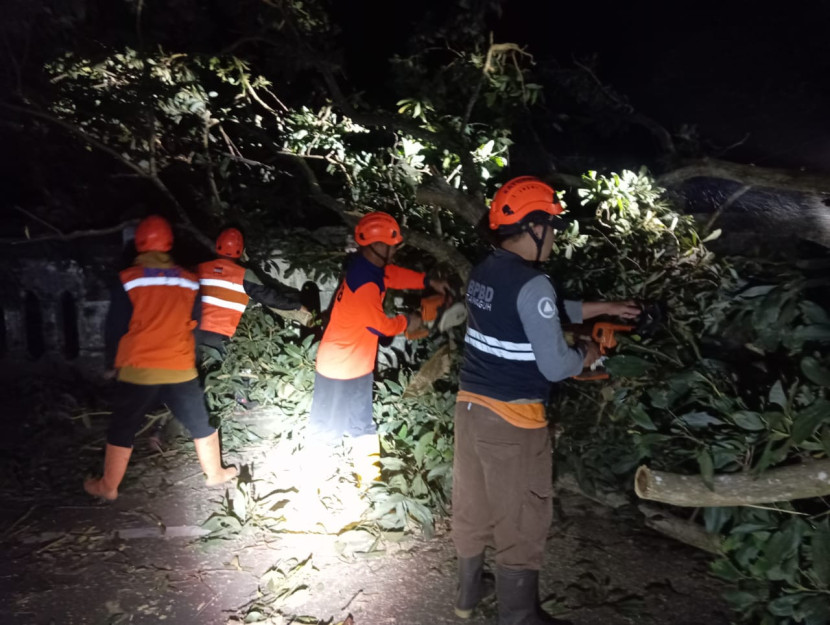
(514, 350)
(151, 320)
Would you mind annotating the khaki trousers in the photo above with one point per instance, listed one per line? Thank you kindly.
(502, 488)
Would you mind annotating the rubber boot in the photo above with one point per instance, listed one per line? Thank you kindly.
(116, 460)
(473, 585)
(210, 457)
(518, 596)
(366, 459)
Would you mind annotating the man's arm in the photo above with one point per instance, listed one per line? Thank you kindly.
(626, 309)
(268, 296)
(367, 303)
(540, 319)
(117, 322)
(400, 278)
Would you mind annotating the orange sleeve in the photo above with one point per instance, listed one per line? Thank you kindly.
(399, 278)
(368, 301)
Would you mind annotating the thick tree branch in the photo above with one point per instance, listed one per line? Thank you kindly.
(439, 249)
(659, 520)
(438, 192)
(98, 144)
(78, 234)
(802, 481)
(802, 182)
(682, 530)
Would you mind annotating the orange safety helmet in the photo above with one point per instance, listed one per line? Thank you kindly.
(377, 227)
(153, 234)
(518, 199)
(230, 243)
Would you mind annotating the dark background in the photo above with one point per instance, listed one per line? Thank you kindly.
(740, 72)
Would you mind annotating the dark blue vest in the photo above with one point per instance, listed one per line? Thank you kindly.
(498, 361)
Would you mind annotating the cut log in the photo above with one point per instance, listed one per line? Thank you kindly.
(569, 483)
(801, 481)
(680, 529)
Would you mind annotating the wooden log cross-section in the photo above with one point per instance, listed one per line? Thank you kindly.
(801, 481)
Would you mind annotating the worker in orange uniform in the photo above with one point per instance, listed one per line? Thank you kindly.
(514, 350)
(226, 287)
(342, 400)
(151, 318)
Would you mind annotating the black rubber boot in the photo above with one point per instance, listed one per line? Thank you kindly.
(473, 585)
(518, 596)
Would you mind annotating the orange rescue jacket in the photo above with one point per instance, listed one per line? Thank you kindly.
(160, 334)
(350, 343)
(223, 295)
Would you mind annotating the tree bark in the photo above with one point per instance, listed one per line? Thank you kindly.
(802, 182)
(802, 481)
(437, 192)
(681, 530)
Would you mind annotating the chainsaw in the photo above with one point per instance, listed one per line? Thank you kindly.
(603, 333)
(438, 311)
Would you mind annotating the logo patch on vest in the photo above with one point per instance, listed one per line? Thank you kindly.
(546, 308)
(218, 270)
(480, 295)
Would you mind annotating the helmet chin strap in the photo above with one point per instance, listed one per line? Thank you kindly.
(539, 241)
(384, 259)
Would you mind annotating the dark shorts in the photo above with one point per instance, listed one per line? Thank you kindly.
(205, 339)
(186, 401)
(341, 407)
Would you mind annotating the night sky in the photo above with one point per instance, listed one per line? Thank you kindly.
(731, 68)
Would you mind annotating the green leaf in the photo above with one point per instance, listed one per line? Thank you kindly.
(699, 419)
(777, 395)
(819, 332)
(725, 570)
(748, 420)
(785, 606)
(741, 600)
(628, 366)
(811, 367)
(784, 543)
(707, 469)
(641, 418)
(821, 553)
(392, 464)
(756, 291)
(808, 420)
(814, 313)
(816, 610)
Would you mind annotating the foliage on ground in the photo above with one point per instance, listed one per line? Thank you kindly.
(736, 381)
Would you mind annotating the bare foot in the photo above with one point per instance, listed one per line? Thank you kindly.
(225, 475)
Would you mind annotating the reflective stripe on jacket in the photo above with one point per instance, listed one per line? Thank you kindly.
(160, 332)
(350, 343)
(223, 295)
(499, 361)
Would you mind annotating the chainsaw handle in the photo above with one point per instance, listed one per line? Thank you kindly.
(603, 334)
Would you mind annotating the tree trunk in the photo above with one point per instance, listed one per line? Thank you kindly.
(748, 175)
(802, 481)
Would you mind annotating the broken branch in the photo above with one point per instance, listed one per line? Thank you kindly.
(801, 481)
